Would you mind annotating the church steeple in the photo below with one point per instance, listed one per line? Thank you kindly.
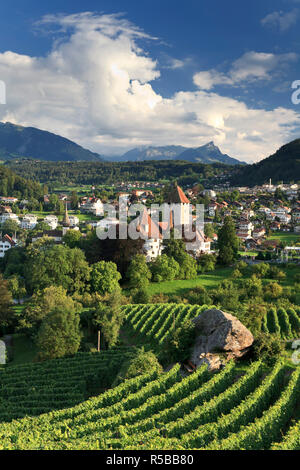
(66, 220)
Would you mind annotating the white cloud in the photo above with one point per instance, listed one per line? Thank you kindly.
(281, 20)
(251, 66)
(96, 88)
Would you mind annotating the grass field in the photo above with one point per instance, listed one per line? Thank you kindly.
(178, 287)
(287, 237)
(209, 281)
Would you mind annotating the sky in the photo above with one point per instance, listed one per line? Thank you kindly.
(113, 75)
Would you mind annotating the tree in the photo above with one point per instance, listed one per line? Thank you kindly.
(187, 267)
(49, 264)
(72, 238)
(109, 318)
(6, 311)
(175, 248)
(41, 304)
(138, 272)
(105, 277)
(74, 200)
(59, 334)
(209, 230)
(164, 268)
(228, 242)
(10, 227)
(16, 287)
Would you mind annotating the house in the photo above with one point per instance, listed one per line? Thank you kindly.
(252, 244)
(52, 221)
(8, 200)
(209, 192)
(258, 232)
(151, 233)
(73, 220)
(246, 226)
(92, 206)
(243, 235)
(212, 209)
(5, 210)
(200, 245)
(29, 222)
(6, 243)
(275, 225)
(9, 216)
(55, 235)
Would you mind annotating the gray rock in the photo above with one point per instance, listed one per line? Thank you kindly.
(219, 332)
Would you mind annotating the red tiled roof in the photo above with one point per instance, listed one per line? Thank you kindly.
(177, 196)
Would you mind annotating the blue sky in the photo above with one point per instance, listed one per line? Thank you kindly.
(163, 72)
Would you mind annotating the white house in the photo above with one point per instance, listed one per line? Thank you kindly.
(29, 222)
(52, 221)
(92, 206)
(6, 243)
(73, 220)
(9, 216)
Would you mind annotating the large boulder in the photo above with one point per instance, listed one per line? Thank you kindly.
(219, 336)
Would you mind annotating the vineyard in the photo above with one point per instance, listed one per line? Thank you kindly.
(226, 410)
(33, 389)
(155, 321)
(285, 323)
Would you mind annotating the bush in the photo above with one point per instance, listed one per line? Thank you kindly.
(178, 345)
(268, 348)
(144, 362)
(141, 296)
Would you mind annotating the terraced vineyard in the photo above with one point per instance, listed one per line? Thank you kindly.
(285, 323)
(33, 389)
(226, 410)
(154, 321)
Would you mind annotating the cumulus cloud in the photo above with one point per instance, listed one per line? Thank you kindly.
(96, 87)
(281, 20)
(250, 67)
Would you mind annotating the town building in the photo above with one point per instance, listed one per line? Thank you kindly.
(6, 243)
(29, 222)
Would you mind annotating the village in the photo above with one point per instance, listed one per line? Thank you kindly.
(267, 217)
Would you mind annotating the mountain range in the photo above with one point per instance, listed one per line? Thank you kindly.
(18, 141)
(208, 153)
(29, 142)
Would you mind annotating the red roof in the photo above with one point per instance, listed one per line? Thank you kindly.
(177, 196)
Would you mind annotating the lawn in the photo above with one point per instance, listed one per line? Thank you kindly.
(287, 237)
(178, 287)
(211, 280)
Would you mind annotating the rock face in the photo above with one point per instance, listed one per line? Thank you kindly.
(219, 332)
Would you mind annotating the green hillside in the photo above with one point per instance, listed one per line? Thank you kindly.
(284, 166)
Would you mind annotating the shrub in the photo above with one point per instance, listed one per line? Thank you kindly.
(268, 348)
